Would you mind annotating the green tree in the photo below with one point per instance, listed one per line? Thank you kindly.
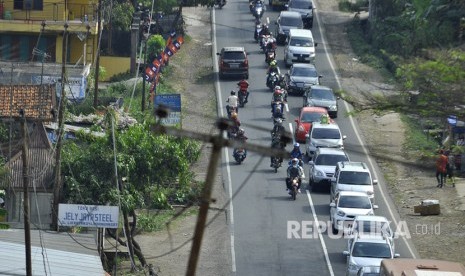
(151, 166)
(155, 44)
(438, 82)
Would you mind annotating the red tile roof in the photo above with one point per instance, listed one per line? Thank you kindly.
(36, 101)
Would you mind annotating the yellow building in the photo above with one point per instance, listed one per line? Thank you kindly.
(29, 28)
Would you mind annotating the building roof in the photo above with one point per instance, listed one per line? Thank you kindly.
(63, 254)
(36, 101)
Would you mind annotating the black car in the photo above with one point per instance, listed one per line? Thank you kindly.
(233, 61)
(287, 20)
(300, 77)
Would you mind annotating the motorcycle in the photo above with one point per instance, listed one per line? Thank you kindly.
(241, 97)
(276, 163)
(220, 3)
(258, 29)
(273, 80)
(258, 10)
(270, 55)
(294, 188)
(239, 155)
(278, 129)
(264, 41)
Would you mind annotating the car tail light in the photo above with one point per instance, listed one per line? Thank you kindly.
(246, 62)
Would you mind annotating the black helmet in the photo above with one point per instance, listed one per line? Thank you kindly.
(233, 92)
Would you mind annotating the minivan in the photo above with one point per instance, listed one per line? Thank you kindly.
(300, 47)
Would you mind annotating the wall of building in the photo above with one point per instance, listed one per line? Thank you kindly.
(115, 65)
(40, 209)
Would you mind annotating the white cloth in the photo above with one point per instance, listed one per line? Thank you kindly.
(232, 100)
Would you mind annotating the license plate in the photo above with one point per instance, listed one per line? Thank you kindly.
(234, 65)
(300, 58)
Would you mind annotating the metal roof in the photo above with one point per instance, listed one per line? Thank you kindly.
(61, 254)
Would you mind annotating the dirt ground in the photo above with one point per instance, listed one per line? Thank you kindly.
(383, 134)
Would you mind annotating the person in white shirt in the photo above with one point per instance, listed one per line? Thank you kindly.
(232, 103)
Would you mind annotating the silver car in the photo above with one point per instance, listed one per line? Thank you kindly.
(322, 96)
(322, 166)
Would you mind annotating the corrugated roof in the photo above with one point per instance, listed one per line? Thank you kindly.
(63, 254)
(36, 101)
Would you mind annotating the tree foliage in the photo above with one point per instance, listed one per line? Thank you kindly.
(155, 45)
(412, 25)
(438, 83)
(147, 162)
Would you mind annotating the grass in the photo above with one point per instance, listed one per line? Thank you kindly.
(418, 145)
(152, 221)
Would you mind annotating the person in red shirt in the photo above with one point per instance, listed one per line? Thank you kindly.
(243, 88)
(441, 165)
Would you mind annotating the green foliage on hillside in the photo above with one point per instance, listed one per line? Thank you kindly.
(148, 163)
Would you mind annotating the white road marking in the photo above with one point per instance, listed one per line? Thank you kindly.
(320, 236)
(365, 151)
(226, 153)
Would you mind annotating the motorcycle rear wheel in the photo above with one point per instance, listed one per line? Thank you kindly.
(294, 193)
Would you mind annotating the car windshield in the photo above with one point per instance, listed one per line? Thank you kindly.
(301, 42)
(373, 227)
(356, 178)
(304, 72)
(323, 94)
(326, 133)
(360, 202)
(291, 21)
(305, 5)
(329, 159)
(233, 55)
(311, 117)
(371, 250)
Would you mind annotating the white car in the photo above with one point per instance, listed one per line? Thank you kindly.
(324, 135)
(346, 206)
(322, 166)
(367, 251)
(372, 225)
(353, 176)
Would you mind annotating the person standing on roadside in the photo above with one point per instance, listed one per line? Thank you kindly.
(450, 167)
(441, 165)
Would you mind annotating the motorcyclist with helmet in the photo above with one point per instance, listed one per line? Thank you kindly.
(277, 143)
(296, 153)
(293, 171)
(234, 128)
(272, 68)
(243, 87)
(232, 103)
(240, 136)
(278, 129)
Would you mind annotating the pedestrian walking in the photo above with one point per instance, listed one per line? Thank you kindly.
(450, 167)
(441, 168)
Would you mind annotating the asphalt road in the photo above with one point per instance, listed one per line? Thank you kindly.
(261, 211)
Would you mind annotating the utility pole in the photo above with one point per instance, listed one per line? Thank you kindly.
(27, 225)
(97, 54)
(218, 143)
(61, 111)
(143, 78)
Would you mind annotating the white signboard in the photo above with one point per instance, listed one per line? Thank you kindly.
(88, 215)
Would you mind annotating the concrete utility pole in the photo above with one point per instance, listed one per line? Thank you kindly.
(27, 224)
(218, 143)
(61, 112)
(97, 54)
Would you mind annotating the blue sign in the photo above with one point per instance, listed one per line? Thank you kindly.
(173, 102)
